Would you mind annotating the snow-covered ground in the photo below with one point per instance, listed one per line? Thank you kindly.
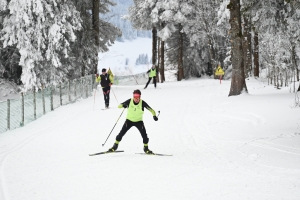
(116, 57)
(233, 148)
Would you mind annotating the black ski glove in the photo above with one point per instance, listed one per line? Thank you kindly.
(155, 118)
(124, 106)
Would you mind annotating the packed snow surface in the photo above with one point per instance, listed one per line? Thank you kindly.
(238, 147)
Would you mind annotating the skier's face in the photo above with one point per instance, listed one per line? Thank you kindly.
(136, 98)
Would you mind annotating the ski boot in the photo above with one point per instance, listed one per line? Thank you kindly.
(147, 150)
(114, 148)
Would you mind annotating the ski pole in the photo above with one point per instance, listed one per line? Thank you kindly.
(133, 76)
(158, 113)
(115, 95)
(113, 128)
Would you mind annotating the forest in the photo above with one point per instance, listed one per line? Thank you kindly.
(48, 42)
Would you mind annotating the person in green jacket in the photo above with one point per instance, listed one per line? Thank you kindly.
(134, 117)
(106, 81)
(152, 74)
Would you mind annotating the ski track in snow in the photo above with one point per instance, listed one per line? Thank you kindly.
(201, 140)
(6, 152)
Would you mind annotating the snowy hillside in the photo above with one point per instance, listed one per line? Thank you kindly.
(121, 57)
(224, 148)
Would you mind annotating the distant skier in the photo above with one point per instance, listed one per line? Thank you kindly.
(134, 117)
(106, 81)
(152, 74)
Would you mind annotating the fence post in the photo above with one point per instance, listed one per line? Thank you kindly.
(8, 114)
(34, 102)
(60, 95)
(51, 98)
(69, 91)
(43, 99)
(23, 110)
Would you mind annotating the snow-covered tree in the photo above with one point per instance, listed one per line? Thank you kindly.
(9, 59)
(42, 31)
(116, 17)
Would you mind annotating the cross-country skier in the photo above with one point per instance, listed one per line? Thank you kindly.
(134, 117)
(152, 74)
(106, 81)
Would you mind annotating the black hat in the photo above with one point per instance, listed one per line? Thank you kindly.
(137, 92)
(103, 70)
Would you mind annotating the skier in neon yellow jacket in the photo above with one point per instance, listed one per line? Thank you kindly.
(152, 74)
(134, 117)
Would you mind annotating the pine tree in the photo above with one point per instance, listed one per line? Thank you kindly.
(42, 32)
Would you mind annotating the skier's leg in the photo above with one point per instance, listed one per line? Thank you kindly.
(140, 126)
(147, 83)
(107, 98)
(127, 125)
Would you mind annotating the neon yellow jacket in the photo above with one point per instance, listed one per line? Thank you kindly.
(136, 110)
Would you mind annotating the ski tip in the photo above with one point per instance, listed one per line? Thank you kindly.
(105, 152)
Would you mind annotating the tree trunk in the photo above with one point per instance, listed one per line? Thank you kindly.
(154, 46)
(180, 57)
(96, 25)
(249, 53)
(212, 56)
(294, 61)
(83, 70)
(247, 46)
(238, 83)
(158, 59)
(256, 58)
(162, 64)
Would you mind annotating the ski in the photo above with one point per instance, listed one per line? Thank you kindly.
(155, 154)
(104, 152)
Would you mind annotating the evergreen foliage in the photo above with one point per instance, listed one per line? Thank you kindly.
(205, 26)
(117, 17)
(53, 41)
(142, 60)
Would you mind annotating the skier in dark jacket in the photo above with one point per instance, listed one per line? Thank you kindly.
(152, 74)
(105, 81)
(134, 117)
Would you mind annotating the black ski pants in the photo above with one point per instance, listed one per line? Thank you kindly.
(106, 91)
(154, 81)
(139, 125)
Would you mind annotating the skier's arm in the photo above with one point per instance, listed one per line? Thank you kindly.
(125, 104)
(98, 79)
(145, 105)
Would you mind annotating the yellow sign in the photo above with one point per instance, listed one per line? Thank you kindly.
(219, 71)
